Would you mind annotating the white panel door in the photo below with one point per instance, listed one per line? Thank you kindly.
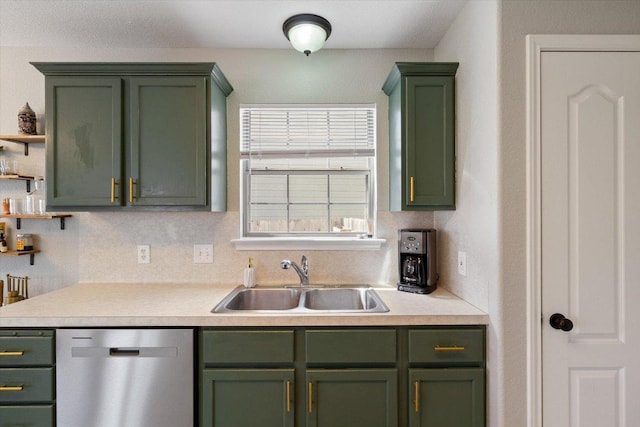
(590, 189)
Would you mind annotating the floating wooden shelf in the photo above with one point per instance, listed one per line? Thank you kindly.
(24, 178)
(21, 253)
(19, 217)
(25, 140)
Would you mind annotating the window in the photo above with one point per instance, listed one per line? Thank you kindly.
(308, 170)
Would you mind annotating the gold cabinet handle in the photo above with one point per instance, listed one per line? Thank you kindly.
(310, 397)
(12, 353)
(288, 396)
(411, 189)
(416, 402)
(448, 348)
(113, 190)
(11, 387)
(132, 182)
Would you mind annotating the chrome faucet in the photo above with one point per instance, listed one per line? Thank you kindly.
(303, 272)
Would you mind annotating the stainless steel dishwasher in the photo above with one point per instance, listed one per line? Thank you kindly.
(124, 377)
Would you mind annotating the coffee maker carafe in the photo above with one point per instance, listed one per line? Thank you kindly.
(417, 260)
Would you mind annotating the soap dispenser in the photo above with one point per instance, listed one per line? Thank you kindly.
(249, 279)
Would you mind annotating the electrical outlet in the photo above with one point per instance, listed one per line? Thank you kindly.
(462, 263)
(203, 254)
(144, 254)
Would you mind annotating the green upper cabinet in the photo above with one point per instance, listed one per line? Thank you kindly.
(84, 132)
(135, 135)
(168, 141)
(421, 136)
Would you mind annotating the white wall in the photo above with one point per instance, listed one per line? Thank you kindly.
(516, 20)
(472, 40)
(100, 247)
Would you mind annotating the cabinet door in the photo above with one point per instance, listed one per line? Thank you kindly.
(27, 416)
(447, 397)
(247, 398)
(168, 134)
(352, 398)
(21, 385)
(84, 141)
(429, 155)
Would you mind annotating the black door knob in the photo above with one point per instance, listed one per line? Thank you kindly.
(558, 321)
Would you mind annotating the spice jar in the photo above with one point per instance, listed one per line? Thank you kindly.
(24, 242)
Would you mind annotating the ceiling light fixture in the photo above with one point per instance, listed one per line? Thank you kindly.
(306, 32)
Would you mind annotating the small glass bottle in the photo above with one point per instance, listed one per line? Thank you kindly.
(34, 202)
(3, 243)
(40, 207)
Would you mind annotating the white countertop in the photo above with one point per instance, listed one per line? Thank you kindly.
(166, 304)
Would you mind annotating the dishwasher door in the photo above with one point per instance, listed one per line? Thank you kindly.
(124, 377)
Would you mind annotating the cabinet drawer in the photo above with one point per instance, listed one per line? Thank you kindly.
(26, 416)
(446, 345)
(351, 346)
(26, 385)
(26, 348)
(247, 347)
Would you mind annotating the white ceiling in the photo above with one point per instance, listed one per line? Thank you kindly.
(221, 23)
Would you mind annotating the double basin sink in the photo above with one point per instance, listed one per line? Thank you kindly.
(298, 299)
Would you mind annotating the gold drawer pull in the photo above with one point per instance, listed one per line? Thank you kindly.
(448, 348)
(132, 196)
(288, 396)
(113, 190)
(310, 397)
(11, 387)
(416, 403)
(12, 353)
(411, 192)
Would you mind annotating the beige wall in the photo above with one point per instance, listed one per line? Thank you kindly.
(472, 40)
(516, 20)
(99, 247)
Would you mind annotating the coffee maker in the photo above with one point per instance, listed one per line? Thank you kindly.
(417, 260)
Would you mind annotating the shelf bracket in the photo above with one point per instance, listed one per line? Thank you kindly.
(18, 223)
(26, 148)
(61, 223)
(28, 181)
(31, 258)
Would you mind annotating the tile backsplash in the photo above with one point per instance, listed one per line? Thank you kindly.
(108, 243)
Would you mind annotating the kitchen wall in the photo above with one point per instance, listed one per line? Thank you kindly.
(472, 40)
(101, 247)
(508, 306)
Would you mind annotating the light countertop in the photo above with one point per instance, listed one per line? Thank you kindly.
(167, 304)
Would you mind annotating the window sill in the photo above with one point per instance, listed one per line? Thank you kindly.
(308, 244)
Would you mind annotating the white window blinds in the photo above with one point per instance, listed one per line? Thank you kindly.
(315, 131)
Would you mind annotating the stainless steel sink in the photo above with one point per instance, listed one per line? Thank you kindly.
(264, 299)
(341, 299)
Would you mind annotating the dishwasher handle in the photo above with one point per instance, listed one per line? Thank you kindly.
(124, 352)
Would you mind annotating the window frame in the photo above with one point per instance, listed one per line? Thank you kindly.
(370, 203)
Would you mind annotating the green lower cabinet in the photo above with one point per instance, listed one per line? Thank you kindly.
(24, 385)
(27, 416)
(352, 398)
(247, 398)
(451, 397)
